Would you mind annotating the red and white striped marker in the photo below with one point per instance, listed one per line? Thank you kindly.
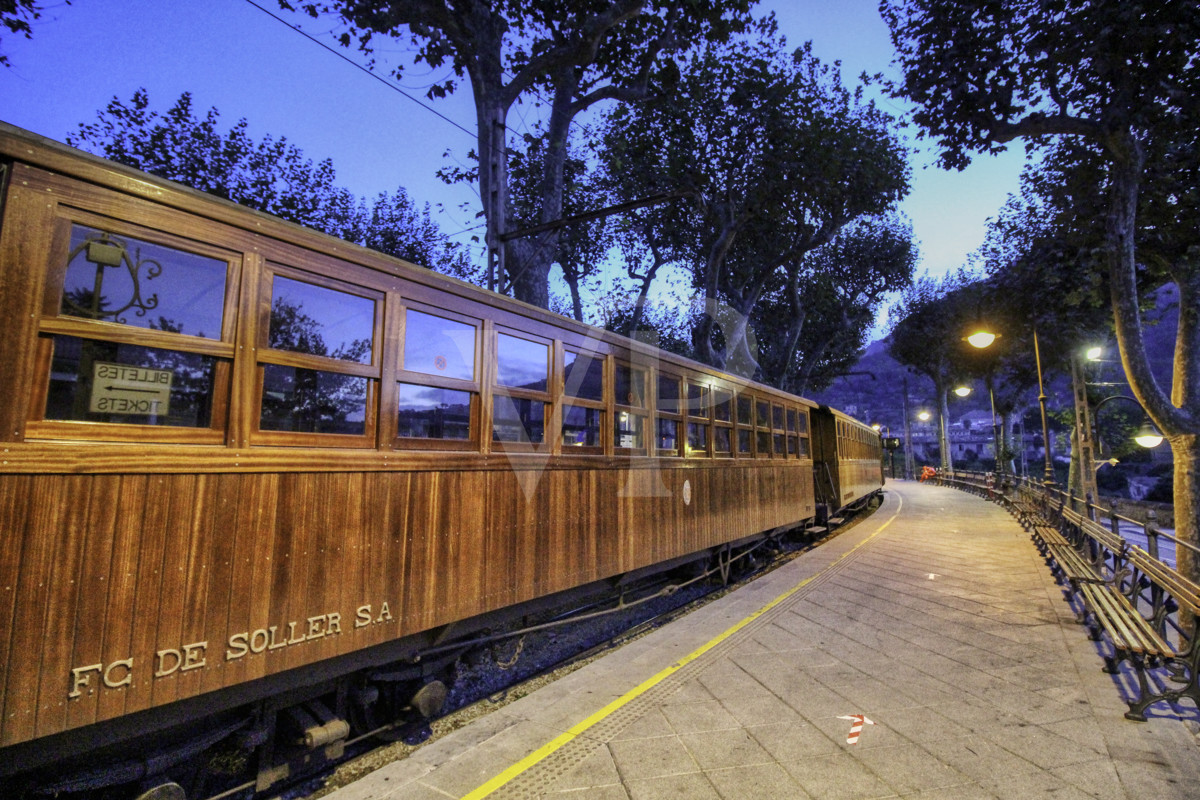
(856, 725)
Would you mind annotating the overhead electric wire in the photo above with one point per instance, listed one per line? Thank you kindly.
(360, 67)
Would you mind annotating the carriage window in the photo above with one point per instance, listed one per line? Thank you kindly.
(96, 381)
(631, 386)
(429, 412)
(312, 401)
(697, 437)
(320, 322)
(521, 364)
(628, 431)
(697, 400)
(721, 403)
(581, 426)
(438, 346)
(133, 282)
(743, 439)
(584, 376)
(668, 394)
(517, 419)
(721, 440)
(745, 410)
(668, 436)
(763, 416)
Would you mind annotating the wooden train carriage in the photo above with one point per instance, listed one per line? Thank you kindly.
(848, 458)
(233, 447)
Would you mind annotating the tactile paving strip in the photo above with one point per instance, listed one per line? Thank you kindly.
(535, 781)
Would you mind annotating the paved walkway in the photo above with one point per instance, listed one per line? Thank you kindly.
(935, 619)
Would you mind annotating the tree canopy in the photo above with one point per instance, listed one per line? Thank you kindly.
(775, 156)
(568, 55)
(1123, 78)
(270, 175)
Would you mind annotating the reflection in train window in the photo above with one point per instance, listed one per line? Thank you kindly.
(428, 412)
(721, 403)
(96, 381)
(321, 322)
(518, 420)
(697, 437)
(668, 393)
(628, 431)
(745, 410)
(581, 426)
(438, 346)
(631, 386)
(312, 401)
(146, 285)
(584, 376)
(521, 364)
(667, 440)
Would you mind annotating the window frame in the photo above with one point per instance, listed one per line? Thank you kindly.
(53, 323)
(550, 421)
(402, 375)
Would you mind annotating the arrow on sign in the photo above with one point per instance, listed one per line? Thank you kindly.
(856, 725)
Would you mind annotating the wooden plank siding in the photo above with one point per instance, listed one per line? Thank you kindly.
(143, 564)
(140, 567)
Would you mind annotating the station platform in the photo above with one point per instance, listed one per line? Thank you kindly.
(933, 628)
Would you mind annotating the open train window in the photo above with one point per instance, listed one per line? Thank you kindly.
(318, 360)
(136, 336)
(520, 399)
(583, 414)
(437, 392)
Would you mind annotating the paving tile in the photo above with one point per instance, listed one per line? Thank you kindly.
(907, 768)
(698, 717)
(723, 749)
(638, 759)
(694, 786)
(760, 782)
(838, 777)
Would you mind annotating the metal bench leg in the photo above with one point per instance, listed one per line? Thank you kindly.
(1146, 698)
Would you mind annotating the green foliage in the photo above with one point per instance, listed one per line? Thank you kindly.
(270, 175)
(567, 55)
(775, 156)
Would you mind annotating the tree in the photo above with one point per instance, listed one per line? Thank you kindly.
(580, 247)
(16, 16)
(815, 326)
(775, 156)
(931, 321)
(1122, 76)
(574, 53)
(270, 175)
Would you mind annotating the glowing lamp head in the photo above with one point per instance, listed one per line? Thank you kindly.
(963, 391)
(981, 339)
(1148, 436)
(1094, 353)
(924, 416)
(875, 426)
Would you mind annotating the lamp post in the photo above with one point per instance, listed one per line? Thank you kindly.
(983, 338)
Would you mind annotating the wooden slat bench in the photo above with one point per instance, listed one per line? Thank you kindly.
(1142, 641)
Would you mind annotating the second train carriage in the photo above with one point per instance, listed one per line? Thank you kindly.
(243, 459)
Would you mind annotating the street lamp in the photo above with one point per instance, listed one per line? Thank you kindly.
(1148, 436)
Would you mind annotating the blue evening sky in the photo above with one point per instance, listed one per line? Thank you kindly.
(231, 55)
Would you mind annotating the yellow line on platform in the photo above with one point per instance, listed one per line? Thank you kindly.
(580, 728)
